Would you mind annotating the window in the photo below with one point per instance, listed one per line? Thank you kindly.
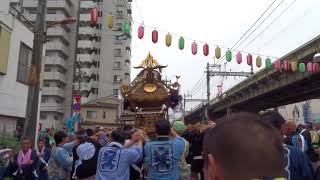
(47, 69)
(91, 114)
(24, 63)
(46, 85)
(115, 92)
(118, 26)
(104, 115)
(50, 11)
(119, 14)
(116, 78)
(117, 53)
(43, 115)
(58, 101)
(44, 100)
(116, 65)
(4, 50)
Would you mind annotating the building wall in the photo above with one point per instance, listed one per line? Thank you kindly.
(110, 114)
(287, 111)
(97, 69)
(13, 94)
(56, 97)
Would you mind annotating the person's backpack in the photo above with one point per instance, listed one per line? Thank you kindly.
(54, 170)
(298, 141)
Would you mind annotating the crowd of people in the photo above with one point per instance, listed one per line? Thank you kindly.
(241, 146)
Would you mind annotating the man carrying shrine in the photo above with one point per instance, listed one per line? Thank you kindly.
(114, 159)
(162, 155)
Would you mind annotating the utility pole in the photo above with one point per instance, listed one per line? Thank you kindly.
(208, 83)
(30, 125)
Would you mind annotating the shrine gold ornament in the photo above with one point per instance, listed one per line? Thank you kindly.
(150, 88)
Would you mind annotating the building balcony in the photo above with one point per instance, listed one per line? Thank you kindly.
(57, 46)
(53, 91)
(55, 17)
(59, 4)
(51, 107)
(86, 72)
(58, 32)
(88, 4)
(120, 3)
(94, 70)
(85, 58)
(85, 17)
(85, 44)
(94, 84)
(88, 31)
(56, 60)
(55, 76)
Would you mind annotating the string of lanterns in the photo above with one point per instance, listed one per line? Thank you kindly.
(277, 65)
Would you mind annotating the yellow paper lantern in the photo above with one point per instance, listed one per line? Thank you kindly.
(168, 40)
(294, 66)
(258, 61)
(110, 20)
(218, 52)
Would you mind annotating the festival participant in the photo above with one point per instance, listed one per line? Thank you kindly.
(85, 155)
(44, 155)
(241, 147)
(179, 127)
(60, 163)
(27, 161)
(162, 155)
(289, 130)
(114, 159)
(196, 152)
(298, 165)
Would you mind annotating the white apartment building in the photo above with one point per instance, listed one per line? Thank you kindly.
(103, 54)
(298, 112)
(16, 40)
(56, 99)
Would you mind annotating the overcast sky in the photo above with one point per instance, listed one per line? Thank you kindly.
(220, 22)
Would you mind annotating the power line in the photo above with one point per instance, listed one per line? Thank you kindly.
(254, 25)
(267, 27)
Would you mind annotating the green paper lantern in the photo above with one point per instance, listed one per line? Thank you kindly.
(268, 63)
(302, 67)
(126, 27)
(228, 55)
(181, 43)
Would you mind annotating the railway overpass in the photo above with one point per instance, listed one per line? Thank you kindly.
(267, 88)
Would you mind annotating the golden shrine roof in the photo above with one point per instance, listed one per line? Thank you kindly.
(149, 62)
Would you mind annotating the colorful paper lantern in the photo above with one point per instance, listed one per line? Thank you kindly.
(315, 67)
(140, 32)
(286, 65)
(206, 49)
(154, 36)
(249, 59)
(277, 65)
(110, 20)
(268, 63)
(302, 67)
(218, 52)
(239, 58)
(228, 55)
(310, 67)
(94, 16)
(181, 43)
(258, 61)
(168, 39)
(194, 48)
(126, 27)
(294, 66)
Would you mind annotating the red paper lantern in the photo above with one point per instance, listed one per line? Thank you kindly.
(249, 59)
(206, 49)
(140, 32)
(315, 67)
(310, 67)
(94, 16)
(286, 65)
(194, 48)
(277, 65)
(239, 57)
(154, 36)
